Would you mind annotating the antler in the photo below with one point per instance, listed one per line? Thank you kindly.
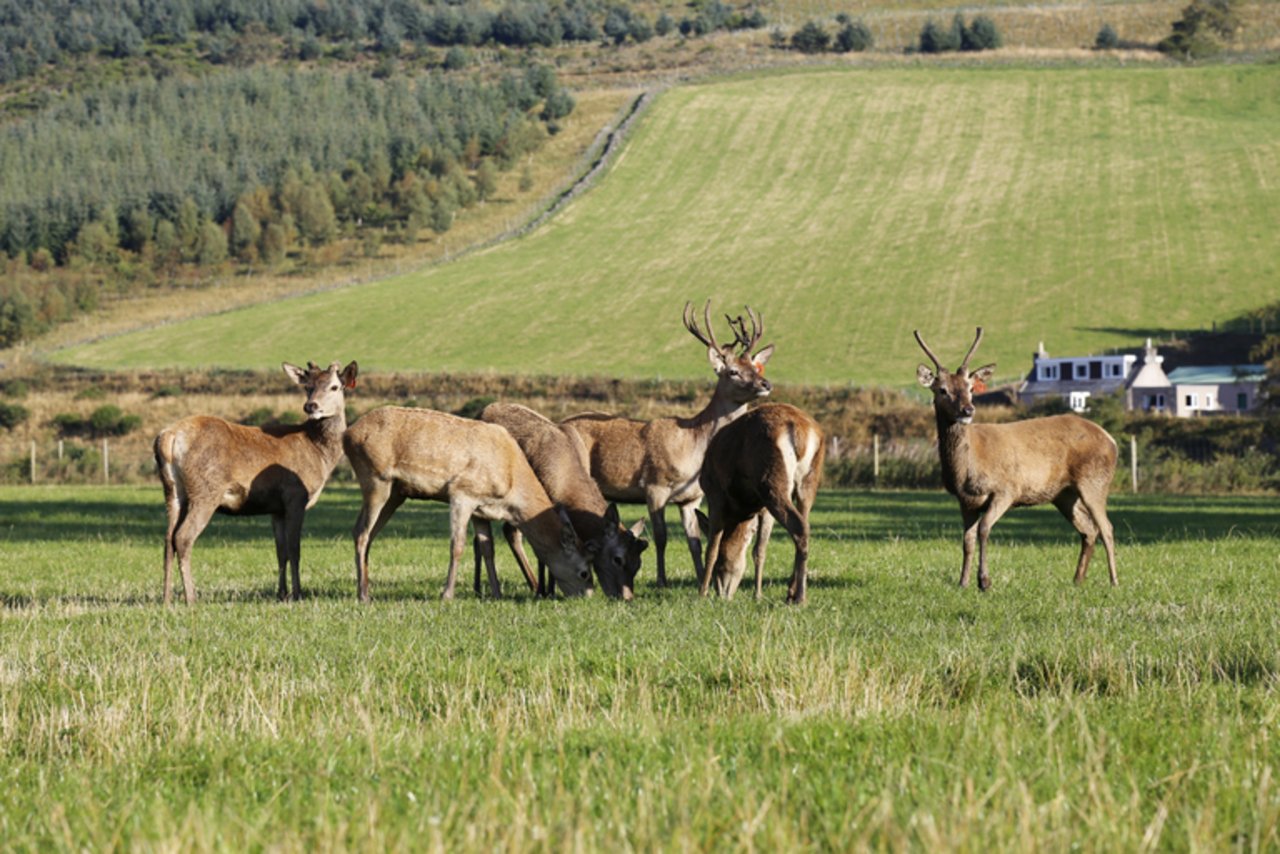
(691, 323)
(937, 364)
(739, 327)
(967, 356)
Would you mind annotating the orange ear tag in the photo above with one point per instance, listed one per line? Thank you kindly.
(979, 387)
(759, 368)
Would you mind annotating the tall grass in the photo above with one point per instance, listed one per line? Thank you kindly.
(895, 710)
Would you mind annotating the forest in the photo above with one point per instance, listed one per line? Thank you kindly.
(35, 34)
(109, 179)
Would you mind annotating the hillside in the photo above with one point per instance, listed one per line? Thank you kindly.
(1085, 208)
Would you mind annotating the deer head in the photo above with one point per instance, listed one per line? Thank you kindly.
(741, 375)
(325, 387)
(953, 391)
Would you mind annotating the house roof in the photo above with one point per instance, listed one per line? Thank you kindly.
(1217, 374)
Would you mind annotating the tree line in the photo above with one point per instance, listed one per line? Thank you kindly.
(33, 35)
(140, 178)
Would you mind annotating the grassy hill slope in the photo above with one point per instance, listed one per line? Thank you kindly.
(1083, 207)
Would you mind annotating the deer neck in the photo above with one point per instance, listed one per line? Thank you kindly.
(955, 451)
(326, 435)
(720, 412)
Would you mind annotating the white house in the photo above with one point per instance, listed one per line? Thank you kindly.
(1206, 389)
(1184, 392)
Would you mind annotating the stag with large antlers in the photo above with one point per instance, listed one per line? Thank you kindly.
(658, 461)
(209, 465)
(1065, 460)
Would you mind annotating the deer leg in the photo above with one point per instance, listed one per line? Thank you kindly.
(515, 541)
(483, 542)
(1097, 507)
(1070, 505)
(659, 524)
(282, 554)
(175, 511)
(693, 535)
(733, 555)
(293, 529)
(375, 510)
(197, 518)
(797, 526)
(764, 530)
(715, 539)
(460, 512)
(970, 540)
(995, 509)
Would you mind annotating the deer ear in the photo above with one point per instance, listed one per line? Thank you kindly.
(762, 358)
(924, 376)
(293, 372)
(637, 531)
(716, 358)
(348, 374)
(984, 374)
(611, 515)
(568, 536)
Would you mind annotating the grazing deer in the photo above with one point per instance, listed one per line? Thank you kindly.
(477, 468)
(209, 465)
(556, 458)
(766, 465)
(1063, 459)
(658, 461)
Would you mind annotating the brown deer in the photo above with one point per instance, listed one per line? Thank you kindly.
(556, 458)
(477, 468)
(658, 461)
(766, 465)
(209, 465)
(1063, 459)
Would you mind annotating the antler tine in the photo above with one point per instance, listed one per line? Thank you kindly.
(706, 318)
(937, 363)
(739, 327)
(691, 324)
(967, 356)
(757, 325)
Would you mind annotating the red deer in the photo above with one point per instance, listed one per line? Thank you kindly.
(1063, 459)
(658, 461)
(556, 457)
(766, 465)
(477, 468)
(209, 465)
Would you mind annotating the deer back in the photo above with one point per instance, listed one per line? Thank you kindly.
(768, 454)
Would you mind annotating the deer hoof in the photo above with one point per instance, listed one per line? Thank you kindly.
(984, 584)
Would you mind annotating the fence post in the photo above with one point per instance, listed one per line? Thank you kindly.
(33, 461)
(106, 462)
(875, 459)
(1133, 462)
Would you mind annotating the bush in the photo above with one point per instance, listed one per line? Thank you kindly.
(981, 34)
(1203, 29)
(854, 36)
(109, 420)
(12, 414)
(811, 38)
(1107, 38)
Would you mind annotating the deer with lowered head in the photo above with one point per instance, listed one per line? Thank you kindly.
(208, 465)
(1065, 460)
(657, 462)
(555, 455)
(766, 465)
(476, 468)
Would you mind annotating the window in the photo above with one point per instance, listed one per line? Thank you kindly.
(1192, 401)
(1048, 372)
(1208, 401)
(1153, 402)
(1079, 401)
(1082, 370)
(1114, 370)
(1242, 401)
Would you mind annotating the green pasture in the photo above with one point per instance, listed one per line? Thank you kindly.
(1086, 208)
(894, 710)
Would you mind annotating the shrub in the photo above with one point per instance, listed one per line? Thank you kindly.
(811, 38)
(12, 414)
(109, 420)
(981, 34)
(1107, 38)
(854, 36)
(1202, 30)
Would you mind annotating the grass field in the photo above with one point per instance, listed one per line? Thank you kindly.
(1086, 208)
(895, 710)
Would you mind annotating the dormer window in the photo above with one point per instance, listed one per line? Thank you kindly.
(1082, 371)
(1115, 370)
(1048, 372)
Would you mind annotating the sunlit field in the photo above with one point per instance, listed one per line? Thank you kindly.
(894, 709)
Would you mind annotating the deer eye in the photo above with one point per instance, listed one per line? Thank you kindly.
(333, 388)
